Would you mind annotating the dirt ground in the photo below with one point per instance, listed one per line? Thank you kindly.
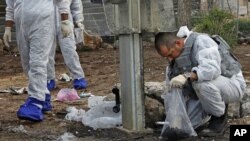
(102, 70)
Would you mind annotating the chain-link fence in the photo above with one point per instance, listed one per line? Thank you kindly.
(100, 17)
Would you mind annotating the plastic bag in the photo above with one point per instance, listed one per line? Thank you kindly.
(79, 36)
(74, 114)
(99, 116)
(102, 116)
(95, 100)
(177, 123)
(67, 95)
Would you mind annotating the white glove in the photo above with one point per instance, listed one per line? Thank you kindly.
(80, 25)
(7, 36)
(178, 81)
(66, 28)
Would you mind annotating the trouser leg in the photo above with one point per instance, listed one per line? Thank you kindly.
(51, 63)
(195, 112)
(214, 94)
(23, 48)
(40, 45)
(71, 58)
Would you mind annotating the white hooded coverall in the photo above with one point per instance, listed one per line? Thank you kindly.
(35, 28)
(67, 45)
(212, 89)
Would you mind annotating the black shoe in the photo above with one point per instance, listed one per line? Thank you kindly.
(216, 126)
(203, 125)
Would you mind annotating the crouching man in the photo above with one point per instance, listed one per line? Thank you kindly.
(206, 74)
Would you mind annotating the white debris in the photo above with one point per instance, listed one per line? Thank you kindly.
(84, 95)
(100, 115)
(4, 91)
(74, 114)
(65, 77)
(17, 91)
(19, 129)
(14, 90)
(66, 137)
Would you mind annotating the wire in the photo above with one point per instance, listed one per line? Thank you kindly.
(106, 19)
(229, 7)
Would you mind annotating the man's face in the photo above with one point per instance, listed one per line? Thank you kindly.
(173, 51)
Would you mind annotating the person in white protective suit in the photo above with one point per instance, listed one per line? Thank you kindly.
(207, 74)
(68, 49)
(35, 27)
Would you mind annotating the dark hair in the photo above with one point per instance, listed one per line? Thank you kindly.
(167, 38)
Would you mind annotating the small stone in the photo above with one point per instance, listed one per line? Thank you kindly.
(244, 44)
(63, 124)
(234, 110)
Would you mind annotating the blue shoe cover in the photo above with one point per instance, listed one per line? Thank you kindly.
(51, 84)
(80, 83)
(29, 110)
(47, 104)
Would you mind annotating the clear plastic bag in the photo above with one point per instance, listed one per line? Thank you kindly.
(79, 36)
(102, 116)
(74, 114)
(67, 95)
(177, 123)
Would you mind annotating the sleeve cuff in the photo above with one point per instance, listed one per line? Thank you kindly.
(199, 75)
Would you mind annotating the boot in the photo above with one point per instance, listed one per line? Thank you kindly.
(47, 104)
(80, 83)
(217, 125)
(31, 110)
(51, 84)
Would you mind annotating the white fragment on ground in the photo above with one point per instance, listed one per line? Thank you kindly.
(74, 114)
(85, 95)
(65, 77)
(4, 91)
(17, 91)
(100, 114)
(19, 129)
(14, 90)
(66, 137)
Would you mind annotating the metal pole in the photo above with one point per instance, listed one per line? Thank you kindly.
(131, 82)
(131, 66)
